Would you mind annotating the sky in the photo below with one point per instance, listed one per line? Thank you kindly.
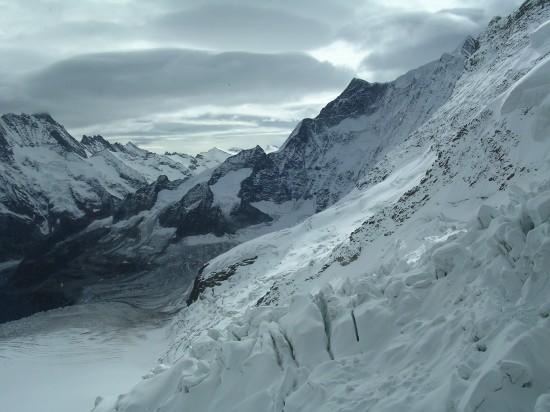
(187, 75)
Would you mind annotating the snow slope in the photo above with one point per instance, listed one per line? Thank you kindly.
(58, 361)
(399, 338)
(225, 190)
(425, 288)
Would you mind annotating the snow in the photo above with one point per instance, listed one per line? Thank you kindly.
(286, 214)
(202, 161)
(148, 165)
(215, 154)
(533, 91)
(290, 247)
(540, 38)
(270, 148)
(376, 340)
(226, 189)
(59, 361)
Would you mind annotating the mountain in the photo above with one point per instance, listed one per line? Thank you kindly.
(202, 161)
(148, 164)
(155, 238)
(422, 281)
(48, 185)
(52, 187)
(249, 194)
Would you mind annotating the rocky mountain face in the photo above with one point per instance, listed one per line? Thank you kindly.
(143, 199)
(151, 228)
(218, 206)
(325, 157)
(50, 182)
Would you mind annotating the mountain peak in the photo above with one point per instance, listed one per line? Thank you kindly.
(37, 129)
(132, 149)
(96, 143)
(214, 154)
(46, 117)
(356, 82)
(358, 98)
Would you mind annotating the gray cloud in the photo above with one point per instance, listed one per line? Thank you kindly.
(400, 42)
(331, 12)
(242, 27)
(105, 87)
(236, 25)
(192, 144)
(477, 16)
(211, 124)
(127, 67)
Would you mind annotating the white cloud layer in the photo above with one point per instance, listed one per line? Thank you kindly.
(122, 67)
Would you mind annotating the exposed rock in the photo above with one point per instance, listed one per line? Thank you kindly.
(214, 279)
(96, 144)
(143, 198)
(360, 98)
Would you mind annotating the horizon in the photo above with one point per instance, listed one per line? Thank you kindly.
(161, 76)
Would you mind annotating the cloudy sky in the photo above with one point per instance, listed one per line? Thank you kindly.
(191, 74)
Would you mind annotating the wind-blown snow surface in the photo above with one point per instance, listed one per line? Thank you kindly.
(426, 290)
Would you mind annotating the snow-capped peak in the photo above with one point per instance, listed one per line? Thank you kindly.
(96, 143)
(38, 129)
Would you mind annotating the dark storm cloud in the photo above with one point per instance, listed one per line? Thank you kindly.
(105, 87)
(242, 27)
